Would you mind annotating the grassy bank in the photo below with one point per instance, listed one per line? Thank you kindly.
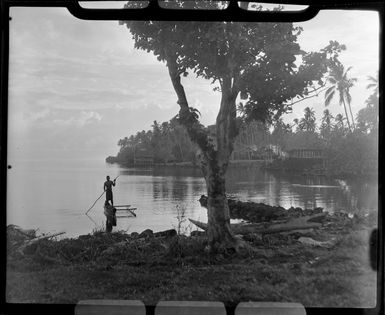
(121, 266)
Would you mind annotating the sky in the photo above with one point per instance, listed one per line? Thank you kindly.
(76, 87)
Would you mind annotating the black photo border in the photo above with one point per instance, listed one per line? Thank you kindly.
(155, 12)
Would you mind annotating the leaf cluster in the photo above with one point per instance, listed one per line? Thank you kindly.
(263, 61)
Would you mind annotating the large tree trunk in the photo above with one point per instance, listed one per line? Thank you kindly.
(218, 213)
(219, 232)
(214, 155)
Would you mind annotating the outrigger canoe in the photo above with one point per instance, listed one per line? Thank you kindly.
(125, 211)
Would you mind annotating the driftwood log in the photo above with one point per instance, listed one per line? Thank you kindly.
(301, 223)
(43, 237)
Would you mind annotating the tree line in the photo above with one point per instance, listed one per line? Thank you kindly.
(166, 142)
(350, 145)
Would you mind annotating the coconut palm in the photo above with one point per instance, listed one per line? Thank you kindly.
(308, 122)
(339, 119)
(295, 125)
(341, 84)
(326, 123)
(327, 119)
(373, 84)
(123, 142)
(367, 118)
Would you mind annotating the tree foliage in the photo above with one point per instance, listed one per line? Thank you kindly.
(166, 142)
(347, 153)
(367, 118)
(341, 84)
(326, 125)
(307, 123)
(258, 58)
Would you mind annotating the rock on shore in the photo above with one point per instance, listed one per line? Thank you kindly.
(260, 212)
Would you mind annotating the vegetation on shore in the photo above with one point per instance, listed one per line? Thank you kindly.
(347, 151)
(153, 266)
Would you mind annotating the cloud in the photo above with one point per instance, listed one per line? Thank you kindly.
(83, 119)
(37, 116)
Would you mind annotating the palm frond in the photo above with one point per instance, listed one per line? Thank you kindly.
(373, 79)
(374, 82)
(348, 69)
(350, 82)
(329, 90)
(329, 96)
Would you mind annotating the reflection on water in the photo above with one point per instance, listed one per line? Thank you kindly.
(55, 195)
(288, 190)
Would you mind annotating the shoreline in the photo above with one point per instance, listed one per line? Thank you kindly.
(326, 266)
(244, 212)
(261, 164)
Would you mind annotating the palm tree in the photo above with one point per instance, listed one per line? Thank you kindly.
(326, 125)
(308, 122)
(339, 119)
(295, 124)
(373, 101)
(327, 118)
(367, 118)
(374, 83)
(338, 77)
(123, 142)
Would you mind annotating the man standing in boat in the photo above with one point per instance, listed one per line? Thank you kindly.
(108, 189)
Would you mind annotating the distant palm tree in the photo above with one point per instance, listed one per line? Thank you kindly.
(326, 123)
(374, 83)
(373, 101)
(280, 126)
(123, 142)
(327, 118)
(367, 118)
(308, 122)
(338, 77)
(295, 124)
(339, 119)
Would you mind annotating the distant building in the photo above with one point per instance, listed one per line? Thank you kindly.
(306, 154)
(277, 151)
(305, 160)
(262, 153)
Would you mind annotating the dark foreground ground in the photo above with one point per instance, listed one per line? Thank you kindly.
(277, 267)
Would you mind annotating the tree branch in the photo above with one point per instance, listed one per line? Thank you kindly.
(311, 96)
(226, 122)
(188, 117)
(176, 82)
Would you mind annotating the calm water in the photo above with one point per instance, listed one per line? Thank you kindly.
(54, 195)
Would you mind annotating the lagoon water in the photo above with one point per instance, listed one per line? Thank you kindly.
(54, 195)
